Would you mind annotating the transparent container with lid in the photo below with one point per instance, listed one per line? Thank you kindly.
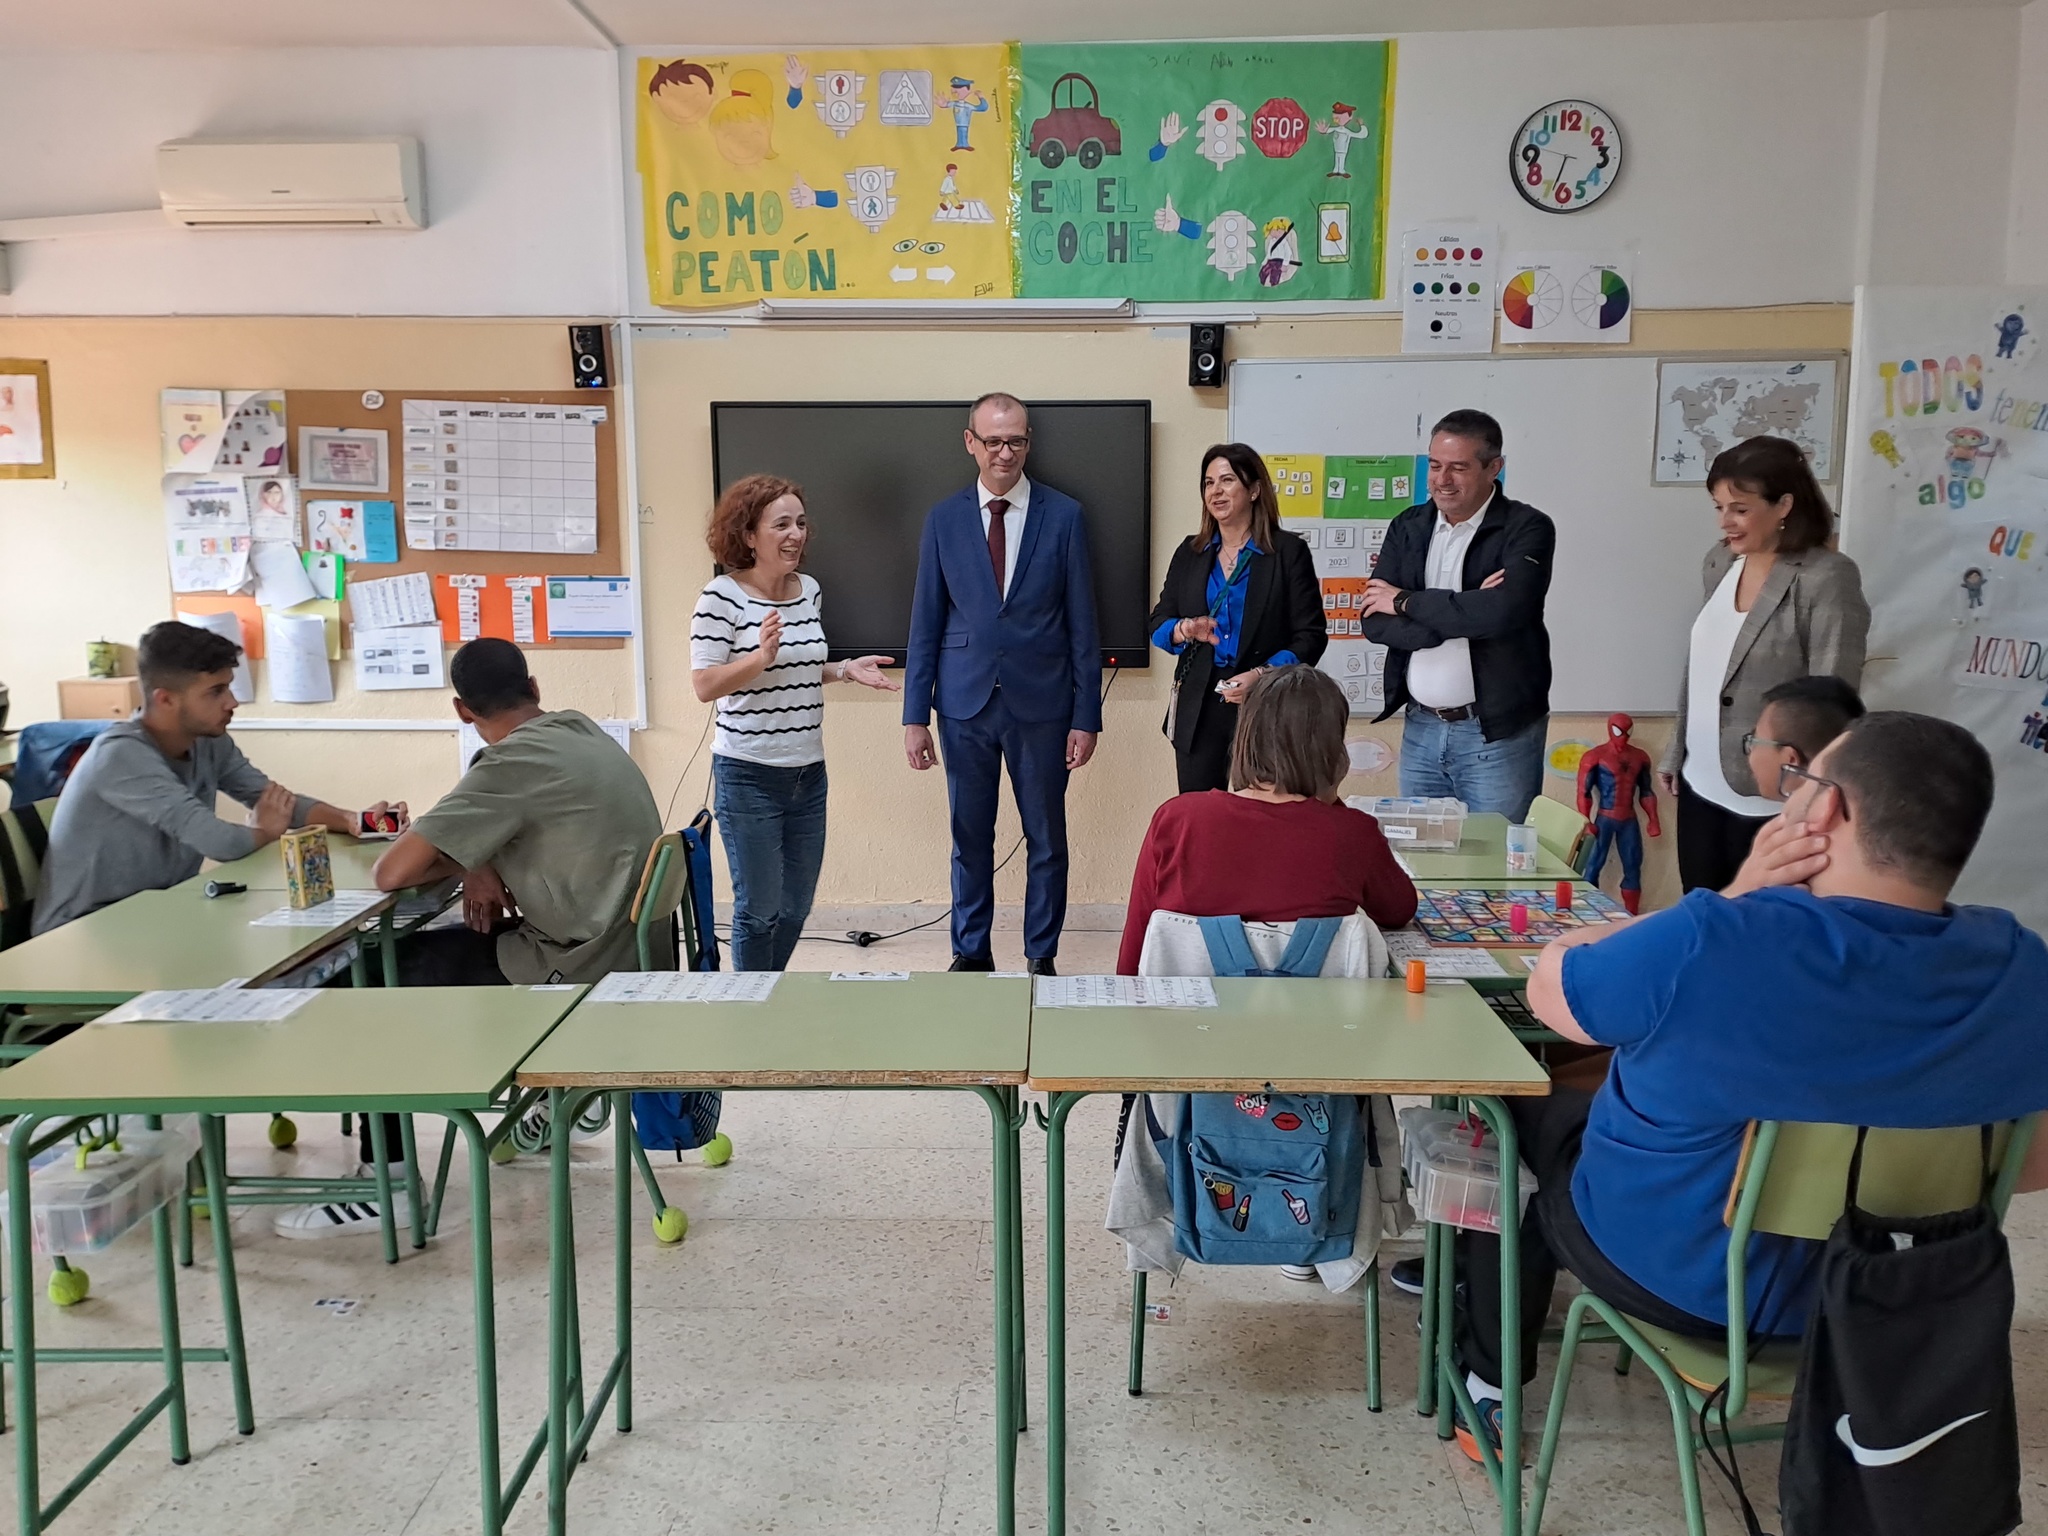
(1415, 821)
(74, 1209)
(1453, 1164)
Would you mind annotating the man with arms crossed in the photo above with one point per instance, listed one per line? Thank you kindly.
(1832, 982)
(138, 813)
(1457, 599)
(1002, 644)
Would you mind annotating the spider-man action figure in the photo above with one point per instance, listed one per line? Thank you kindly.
(1616, 774)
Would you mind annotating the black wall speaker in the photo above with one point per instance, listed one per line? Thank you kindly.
(1205, 357)
(587, 359)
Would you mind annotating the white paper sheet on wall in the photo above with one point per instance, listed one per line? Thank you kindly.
(392, 601)
(295, 647)
(402, 657)
(281, 580)
(206, 533)
(273, 507)
(479, 475)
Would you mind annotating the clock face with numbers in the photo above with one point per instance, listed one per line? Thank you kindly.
(1566, 156)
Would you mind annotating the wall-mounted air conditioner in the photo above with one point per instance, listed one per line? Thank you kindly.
(291, 184)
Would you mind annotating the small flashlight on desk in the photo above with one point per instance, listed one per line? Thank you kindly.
(224, 888)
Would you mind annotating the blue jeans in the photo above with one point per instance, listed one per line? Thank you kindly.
(1441, 757)
(773, 824)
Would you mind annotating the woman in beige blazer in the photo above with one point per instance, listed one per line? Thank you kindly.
(1779, 604)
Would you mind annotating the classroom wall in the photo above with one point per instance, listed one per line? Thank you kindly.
(521, 171)
(2026, 248)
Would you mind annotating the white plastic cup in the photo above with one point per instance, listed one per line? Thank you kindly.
(1522, 849)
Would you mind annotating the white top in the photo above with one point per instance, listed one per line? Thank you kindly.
(1441, 675)
(779, 720)
(1019, 498)
(1713, 641)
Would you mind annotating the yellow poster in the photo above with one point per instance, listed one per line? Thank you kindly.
(833, 173)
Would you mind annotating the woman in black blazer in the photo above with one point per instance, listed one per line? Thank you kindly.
(1240, 596)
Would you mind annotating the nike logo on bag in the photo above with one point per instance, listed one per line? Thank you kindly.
(1869, 1458)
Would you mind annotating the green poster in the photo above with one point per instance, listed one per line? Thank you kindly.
(1375, 487)
(1203, 171)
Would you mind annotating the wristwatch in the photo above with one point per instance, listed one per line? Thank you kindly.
(1401, 601)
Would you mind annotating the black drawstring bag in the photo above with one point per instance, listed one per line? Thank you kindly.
(1903, 1421)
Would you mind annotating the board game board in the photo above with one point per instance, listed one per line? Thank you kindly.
(1461, 915)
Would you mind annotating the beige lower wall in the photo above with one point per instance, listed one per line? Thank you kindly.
(82, 556)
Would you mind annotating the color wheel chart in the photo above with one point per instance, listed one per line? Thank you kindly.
(1600, 299)
(1566, 297)
(1532, 299)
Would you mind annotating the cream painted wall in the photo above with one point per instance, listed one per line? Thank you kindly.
(81, 556)
(2026, 248)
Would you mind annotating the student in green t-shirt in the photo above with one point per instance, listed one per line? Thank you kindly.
(549, 829)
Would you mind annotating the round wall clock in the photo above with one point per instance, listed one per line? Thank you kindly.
(1566, 156)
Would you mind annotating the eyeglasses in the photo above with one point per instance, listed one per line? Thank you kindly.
(1002, 445)
(1789, 776)
(1751, 741)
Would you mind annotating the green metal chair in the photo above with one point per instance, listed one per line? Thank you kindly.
(1790, 1182)
(1562, 831)
(660, 903)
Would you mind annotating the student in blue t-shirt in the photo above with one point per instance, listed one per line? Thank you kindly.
(1831, 982)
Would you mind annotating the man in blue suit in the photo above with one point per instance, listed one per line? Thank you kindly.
(1002, 641)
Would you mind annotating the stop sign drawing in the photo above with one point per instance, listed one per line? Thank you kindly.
(1280, 128)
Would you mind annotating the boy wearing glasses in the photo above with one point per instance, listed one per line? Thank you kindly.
(1797, 720)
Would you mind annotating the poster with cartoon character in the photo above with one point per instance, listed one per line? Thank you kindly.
(1203, 171)
(831, 173)
(1943, 512)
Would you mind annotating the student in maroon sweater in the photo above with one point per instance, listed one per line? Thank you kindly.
(1277, 846)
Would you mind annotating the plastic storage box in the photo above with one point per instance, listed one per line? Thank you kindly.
(1415, 822)
(1453, 1165)
(75, 1210)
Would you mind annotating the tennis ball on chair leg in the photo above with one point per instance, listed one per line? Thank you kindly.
(283, 1131)
(670, 1224)
(68, 1286)
(504, 1151)
(718, 1151)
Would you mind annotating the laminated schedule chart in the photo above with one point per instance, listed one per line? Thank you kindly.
(519, 478)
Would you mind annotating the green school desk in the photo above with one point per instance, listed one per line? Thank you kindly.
(166, 940)
(1481, 858)
(935, 1030)
(448, 1052)
(1290, 1036)
(350, 860)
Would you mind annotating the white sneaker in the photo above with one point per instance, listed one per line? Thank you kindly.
(337, 1218)
(1298, 1272)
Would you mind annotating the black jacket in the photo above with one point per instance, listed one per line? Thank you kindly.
(1510, 647)
(1283, 611)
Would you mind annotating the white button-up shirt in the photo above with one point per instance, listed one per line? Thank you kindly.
(1019, 498)
(1441, 675)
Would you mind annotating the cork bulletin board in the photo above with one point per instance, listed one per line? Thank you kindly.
(345, 408)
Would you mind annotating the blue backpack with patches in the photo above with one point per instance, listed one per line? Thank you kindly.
(1265, 1178)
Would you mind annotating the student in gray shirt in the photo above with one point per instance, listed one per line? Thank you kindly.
(138, 812)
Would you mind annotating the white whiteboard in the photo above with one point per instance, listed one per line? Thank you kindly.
(1580, 439)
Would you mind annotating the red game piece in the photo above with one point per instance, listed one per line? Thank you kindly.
(1518, 918)
(1564, 895)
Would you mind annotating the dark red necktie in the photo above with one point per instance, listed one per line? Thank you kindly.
(998, 539)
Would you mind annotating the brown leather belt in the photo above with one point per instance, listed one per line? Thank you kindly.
(1449, 716)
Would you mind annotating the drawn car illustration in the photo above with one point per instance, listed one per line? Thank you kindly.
(1075, 128)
